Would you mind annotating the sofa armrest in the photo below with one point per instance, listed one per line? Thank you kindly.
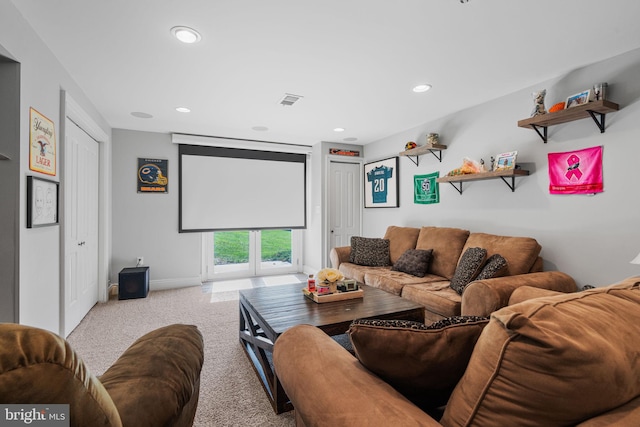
(156, 381)
(329, 387)
(339, 255)
(483, 297)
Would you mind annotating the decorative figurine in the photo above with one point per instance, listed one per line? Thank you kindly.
(433, 138)
(410, 145)
(538, 103)
(493, 160)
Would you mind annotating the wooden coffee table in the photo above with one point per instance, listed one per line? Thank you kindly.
(267, 312)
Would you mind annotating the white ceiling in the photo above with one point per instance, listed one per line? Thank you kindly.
(354, 61)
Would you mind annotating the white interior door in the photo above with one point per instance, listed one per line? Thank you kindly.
(345, 191)
(81, 225)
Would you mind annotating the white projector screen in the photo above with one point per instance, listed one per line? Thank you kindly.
(231, 189)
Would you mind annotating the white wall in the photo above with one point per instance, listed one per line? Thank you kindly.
(592, 238)
(42, 79)
(147, 224)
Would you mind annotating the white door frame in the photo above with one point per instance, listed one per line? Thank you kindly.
(326, 239)
(71, 109)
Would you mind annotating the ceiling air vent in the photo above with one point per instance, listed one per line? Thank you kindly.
(289, 99)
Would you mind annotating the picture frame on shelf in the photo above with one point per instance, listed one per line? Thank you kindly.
(42, 202)
(578, 99)
(505, 161)
(381, 186)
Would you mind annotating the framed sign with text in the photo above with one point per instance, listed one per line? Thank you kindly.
(153, 175)
(42, 143)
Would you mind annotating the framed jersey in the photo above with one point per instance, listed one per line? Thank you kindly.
(381, 184)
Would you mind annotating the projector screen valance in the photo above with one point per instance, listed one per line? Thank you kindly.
(232, 189)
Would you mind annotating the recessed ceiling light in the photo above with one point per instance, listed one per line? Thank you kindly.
(260, 128)
(183, 110)
(141, 115)
(339, 130)
(421, 88)
(186, 34)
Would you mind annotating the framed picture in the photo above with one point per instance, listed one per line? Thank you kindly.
(153, 175)
(42, 143)
(381, 184)
(505, 161)
(578, 99)
(42, 202)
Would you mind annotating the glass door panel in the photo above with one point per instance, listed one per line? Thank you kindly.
(245, 253)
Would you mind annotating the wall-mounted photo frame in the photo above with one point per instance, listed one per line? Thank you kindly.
(505, 161)
(578, 99)
(42, 202)
(381, 184)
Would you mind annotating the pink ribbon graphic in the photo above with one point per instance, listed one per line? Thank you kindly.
(573, 170)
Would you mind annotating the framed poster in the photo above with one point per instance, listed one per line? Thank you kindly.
(426, 189)
(42, 202)
(381, 184)
(42, 143)
(153, 175)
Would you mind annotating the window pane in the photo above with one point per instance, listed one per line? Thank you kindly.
(276, 247)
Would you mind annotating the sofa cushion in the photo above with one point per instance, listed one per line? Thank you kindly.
(414, 261)
(394, 281)
(436, 297)
(447, 244)
(357, 272)
(495, 266)
(521, 253)
(424, 363)
(560, 360)
(400, 239)
(373, 252)
(469, 266)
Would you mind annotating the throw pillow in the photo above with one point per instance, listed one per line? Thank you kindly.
(496, 266)
(424, 363)
(468, 268)
(414, 261)
(372, 252)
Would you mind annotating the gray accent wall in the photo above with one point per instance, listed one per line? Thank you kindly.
(590, 237)
(146, 224)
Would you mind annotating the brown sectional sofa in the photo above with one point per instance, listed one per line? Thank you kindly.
(481, 297)
(567, 359)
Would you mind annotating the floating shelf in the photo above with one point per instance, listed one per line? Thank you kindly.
(415, 153)
(502, 174)
(590, 109)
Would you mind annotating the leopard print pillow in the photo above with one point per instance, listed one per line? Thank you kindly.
(468, 268)
(372, 252)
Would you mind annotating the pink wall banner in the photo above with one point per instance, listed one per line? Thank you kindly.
(576, 172)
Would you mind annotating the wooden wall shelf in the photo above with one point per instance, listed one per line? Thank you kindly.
(415, 153)
(590, 109)
(502, 174)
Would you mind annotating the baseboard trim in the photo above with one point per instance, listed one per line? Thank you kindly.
(164, 284)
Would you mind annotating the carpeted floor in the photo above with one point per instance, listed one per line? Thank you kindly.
(230, 393)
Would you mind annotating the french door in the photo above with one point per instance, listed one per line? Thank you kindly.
(248, 253)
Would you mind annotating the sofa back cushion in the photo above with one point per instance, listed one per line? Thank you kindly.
(39, 367)
(447, 244)
(520, 253)
(553, 361)
(400, 239)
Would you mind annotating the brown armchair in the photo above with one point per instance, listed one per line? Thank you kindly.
(155, 382)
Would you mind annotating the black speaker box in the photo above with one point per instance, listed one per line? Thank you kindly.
(133, 283)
